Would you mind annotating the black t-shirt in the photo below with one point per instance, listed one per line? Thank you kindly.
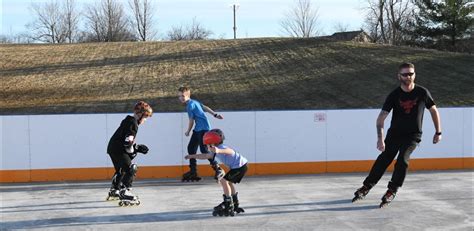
(118, 141)
(408, 109)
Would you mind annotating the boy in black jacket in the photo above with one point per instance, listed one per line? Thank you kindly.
(122, 149)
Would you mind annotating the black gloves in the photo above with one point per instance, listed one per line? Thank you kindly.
(141, 148)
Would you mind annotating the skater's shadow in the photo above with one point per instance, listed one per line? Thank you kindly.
(309, 207)
(110, 219)
(187, 215)
(98, 185)
(57, 206)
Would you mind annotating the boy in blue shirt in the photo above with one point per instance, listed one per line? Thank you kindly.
(238, 167)
(197, 119)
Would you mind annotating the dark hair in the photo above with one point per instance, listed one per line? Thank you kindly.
(184, 89)
(406, 65)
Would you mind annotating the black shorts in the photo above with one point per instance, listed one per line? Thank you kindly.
(236, 175)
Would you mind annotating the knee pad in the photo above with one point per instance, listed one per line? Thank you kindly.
(133, 169)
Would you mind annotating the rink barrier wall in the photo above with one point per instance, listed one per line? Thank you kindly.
(154, 172)
(72, 147)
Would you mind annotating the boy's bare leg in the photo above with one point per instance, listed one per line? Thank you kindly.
(232, 188)
(225, 186)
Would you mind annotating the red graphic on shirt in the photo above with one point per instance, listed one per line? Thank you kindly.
(408, 105)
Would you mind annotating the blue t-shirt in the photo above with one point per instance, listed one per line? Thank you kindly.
(195, 111)
(233, 161)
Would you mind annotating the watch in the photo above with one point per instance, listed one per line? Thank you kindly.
(438, 133)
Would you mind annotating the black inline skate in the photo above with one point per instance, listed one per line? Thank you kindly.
(190, 176)
(127, 198)
(388, 197)
(237, 209)
(114, 194)
(360, 193)
(226, 208)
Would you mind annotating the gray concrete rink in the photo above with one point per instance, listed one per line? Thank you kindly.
(428, 201)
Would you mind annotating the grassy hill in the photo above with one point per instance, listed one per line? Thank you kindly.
(248, 74)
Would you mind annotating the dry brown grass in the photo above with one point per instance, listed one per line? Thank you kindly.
(249, 74)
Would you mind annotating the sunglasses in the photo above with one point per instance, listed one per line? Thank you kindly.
(407, 74)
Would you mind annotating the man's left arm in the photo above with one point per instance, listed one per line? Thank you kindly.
(437, 123)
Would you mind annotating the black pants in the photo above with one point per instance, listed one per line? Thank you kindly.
(195, 142)
(403, 146)
(123, 174)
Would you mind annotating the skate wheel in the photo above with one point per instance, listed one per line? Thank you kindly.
(138, 203)
(120, 203)
(240, 210)
(232, 213)
(214, 213)
(357, 198)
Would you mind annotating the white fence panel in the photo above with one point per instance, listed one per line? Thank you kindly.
(290, 136)
(15, 143)
(451, 143)
(239, 131)
(68, 141)
(352, 135)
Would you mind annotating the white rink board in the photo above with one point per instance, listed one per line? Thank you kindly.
(1, 142)
(469, 133)
(351, 134)
(78, 141)
(15, 143)
(452, 138)
(68, 141)
(290, 136)
(161, 134)
(239, 131)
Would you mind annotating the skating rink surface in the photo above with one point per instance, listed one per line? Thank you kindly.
(441, 200)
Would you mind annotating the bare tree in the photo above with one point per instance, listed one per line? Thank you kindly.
(177, 33)
(375, 20)
(387, 21)
(70, 20)
(193, 31)
(5, 39)
(142, 18)
(46, 26)
(301, 20)
(106, 22)
(96, 27)
(54, 22)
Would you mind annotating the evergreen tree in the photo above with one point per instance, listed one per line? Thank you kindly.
(448, 19)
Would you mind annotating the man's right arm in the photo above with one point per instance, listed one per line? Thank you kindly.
(380, 125)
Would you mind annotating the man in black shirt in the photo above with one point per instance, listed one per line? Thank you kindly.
(122, 149)
(408, 103)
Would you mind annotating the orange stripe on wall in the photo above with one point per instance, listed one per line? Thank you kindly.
(146, 172)
(468, 163)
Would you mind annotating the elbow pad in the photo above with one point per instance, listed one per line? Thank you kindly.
(129, 144)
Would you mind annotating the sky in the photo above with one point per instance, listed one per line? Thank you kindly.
(255, 18)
